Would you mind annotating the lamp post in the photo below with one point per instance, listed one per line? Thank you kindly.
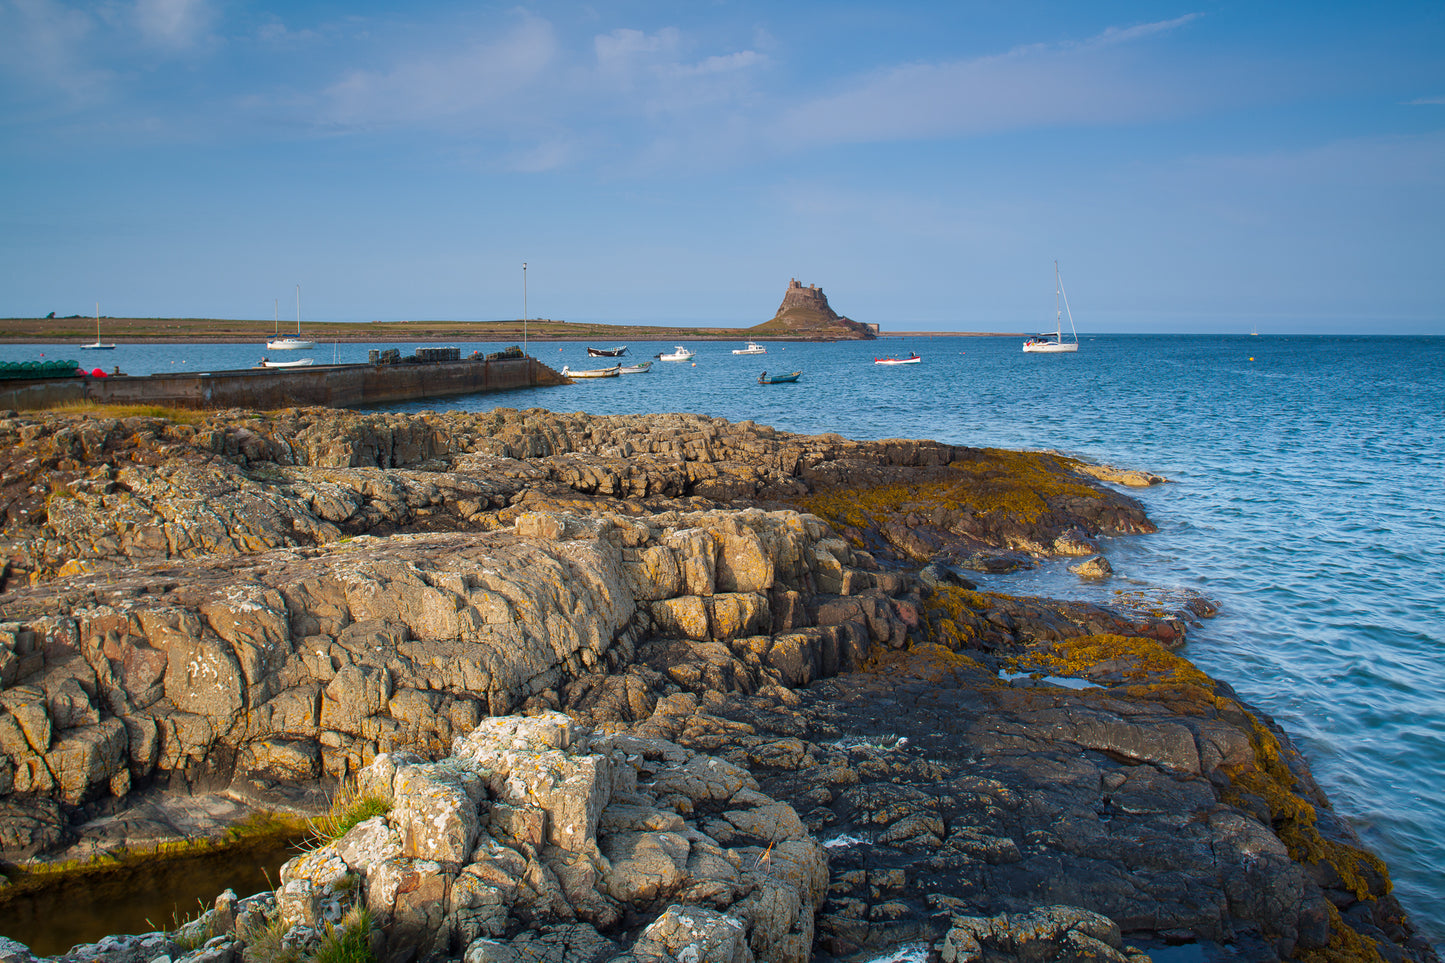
(524, 307)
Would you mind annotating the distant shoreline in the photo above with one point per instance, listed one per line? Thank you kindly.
(82, 330)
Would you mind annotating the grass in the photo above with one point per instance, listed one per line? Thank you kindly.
(96, 410)
(348, 941)
(348, 807)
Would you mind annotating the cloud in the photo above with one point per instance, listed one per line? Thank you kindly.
(1425, 101)
(175, 24)
(1072, 82)
(622, 51)
(47, 45)
(473, 82)
(1121, 35)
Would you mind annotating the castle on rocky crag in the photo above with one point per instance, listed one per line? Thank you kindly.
(811, 296)
(805, 313)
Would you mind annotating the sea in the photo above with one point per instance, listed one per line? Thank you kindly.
(1304, 495)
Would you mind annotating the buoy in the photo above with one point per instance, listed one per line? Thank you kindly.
(98, 373)
(1251, 359)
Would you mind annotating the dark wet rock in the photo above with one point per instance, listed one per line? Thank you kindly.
(1097, 567)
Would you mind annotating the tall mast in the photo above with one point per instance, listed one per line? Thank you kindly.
(298, 307)
(1058, 318)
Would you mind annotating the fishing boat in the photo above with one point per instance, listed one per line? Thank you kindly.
(752, 348)
(1054, 343)
(289, 343)
(611, 372)
(298, 363)
(616, 352)
(639, 368)
(764, 379)
(98, 346)
(911, 359)
(678, 354)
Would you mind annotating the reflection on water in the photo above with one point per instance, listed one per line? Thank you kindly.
(155, 895)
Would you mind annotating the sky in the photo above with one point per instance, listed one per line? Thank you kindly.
(1191, 166)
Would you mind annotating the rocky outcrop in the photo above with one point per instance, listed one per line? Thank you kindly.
(292, 665)
(805, 314)
(770, 637)
(80, 494)
(535, 832)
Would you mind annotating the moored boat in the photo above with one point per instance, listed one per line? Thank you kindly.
(752, 348)
(911, 359)
(298, 363)
(616, 352)
(640, 368)
(99, 345)
(678, 354)
(1054, 343)
(764, 379)
(611, 372)
(289, 343)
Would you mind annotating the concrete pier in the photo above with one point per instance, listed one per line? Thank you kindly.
(334, 386)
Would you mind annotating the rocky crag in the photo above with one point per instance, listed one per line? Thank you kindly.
(248, 605)
(805, 314)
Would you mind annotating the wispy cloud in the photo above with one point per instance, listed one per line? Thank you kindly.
(1065, 82)
(174, 24)
(472, 82)
(1426, 101)
(1143, 31)
(46, 47)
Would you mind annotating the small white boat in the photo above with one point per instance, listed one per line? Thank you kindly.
(752, 348)
(98, 346)
(640, 368)
(298, 363)
(611, 372)
(679, 354)
(1054, 343)
(289, 343)
(911, 359)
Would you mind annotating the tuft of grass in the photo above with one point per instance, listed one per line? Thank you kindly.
(348, 941)
(348, 807)
(266, 943)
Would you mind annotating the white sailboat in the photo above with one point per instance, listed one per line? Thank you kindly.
(289, 343)
(1055, 343)
(98, 346)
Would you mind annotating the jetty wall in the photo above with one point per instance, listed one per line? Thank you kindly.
(334, 386)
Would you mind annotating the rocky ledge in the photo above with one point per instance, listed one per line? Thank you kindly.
(763, 713)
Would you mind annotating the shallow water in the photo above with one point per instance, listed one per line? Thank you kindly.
(141, 898)
(1304, 498)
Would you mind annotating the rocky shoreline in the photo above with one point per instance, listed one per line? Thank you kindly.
(254, 606)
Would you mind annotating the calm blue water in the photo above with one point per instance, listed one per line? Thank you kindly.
(1306, 499)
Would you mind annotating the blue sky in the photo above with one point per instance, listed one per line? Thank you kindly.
(1193, 167)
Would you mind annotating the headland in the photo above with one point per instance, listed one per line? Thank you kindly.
(643, 687)
(804, 315)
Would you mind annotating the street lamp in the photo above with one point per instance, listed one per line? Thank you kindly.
(524, 307)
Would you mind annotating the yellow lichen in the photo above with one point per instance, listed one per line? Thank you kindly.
(1010, 485)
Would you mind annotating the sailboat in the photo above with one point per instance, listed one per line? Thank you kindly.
(97, 346)
(289, 343)
(1055, 343)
